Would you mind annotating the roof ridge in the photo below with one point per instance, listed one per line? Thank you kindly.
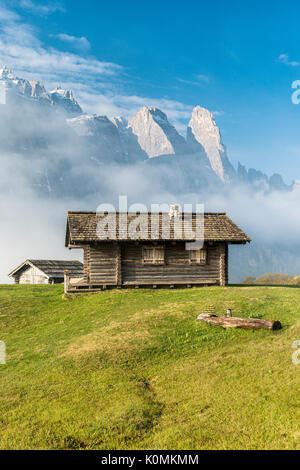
(55, 260)
(135, 213)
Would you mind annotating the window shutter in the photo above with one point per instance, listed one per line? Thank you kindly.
(203, 256)
(159, 255)
(193, 256)
(198, 256)
(148, 255)
(153, 255)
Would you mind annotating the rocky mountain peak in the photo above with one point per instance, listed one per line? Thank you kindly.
(158, 114)
(34, 89)
(101, 137)
(65, 99)
(21, 87)
(38, 90)
(202, 129)
(155, 134)
(119, 122)
(90, 124)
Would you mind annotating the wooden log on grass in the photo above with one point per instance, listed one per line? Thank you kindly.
(236, 322)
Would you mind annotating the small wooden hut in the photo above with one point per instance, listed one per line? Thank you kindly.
(45, 271)
(160, 260)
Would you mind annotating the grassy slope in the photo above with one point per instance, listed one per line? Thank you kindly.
(133, 369)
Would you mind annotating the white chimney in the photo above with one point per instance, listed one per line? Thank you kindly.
(174, 212)
(296, 185)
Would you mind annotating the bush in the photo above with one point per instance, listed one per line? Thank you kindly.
(249, 280)
(273, 279)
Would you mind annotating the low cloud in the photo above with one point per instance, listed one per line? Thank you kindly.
(197, 80)
(202, 78)
(22, 50)
(218, 113)
(46, 9)
(79, 42)
(285, 59)
(8, 15)
(50, 62)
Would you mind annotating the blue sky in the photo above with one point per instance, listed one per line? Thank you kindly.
(237, 58)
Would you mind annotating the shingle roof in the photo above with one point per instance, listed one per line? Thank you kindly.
(82, 228)
(52, 268)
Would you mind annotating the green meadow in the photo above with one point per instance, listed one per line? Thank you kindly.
(133, 369)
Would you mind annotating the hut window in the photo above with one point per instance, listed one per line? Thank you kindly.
(153, 255)
(198, 256)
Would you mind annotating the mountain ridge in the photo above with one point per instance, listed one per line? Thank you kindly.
(148, 135)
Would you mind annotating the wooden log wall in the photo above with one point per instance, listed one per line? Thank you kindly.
(226, 263)
(32, 275)
(101, 259)
(122, 264)
(176, 270)
(119, 265)
(86, 263)
(222, 269)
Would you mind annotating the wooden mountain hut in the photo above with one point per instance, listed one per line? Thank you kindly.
(151, 256)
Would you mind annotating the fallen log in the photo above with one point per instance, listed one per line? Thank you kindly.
(236, 322)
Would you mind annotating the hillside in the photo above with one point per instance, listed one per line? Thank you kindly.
(133, 369)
